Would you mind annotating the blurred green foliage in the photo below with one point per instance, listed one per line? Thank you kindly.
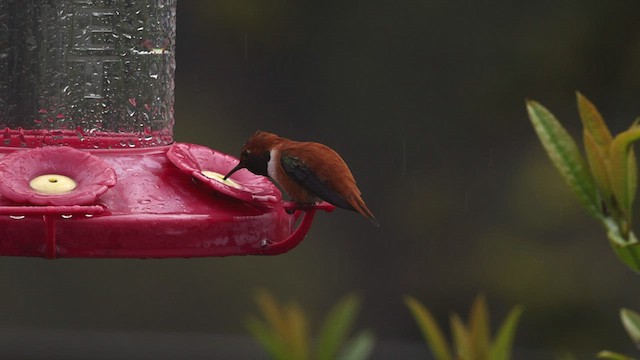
(607, 190)
(608, 186)
(285, 334)
(472, 341)
(631, 321)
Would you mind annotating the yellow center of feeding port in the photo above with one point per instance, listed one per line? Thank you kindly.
(219, 177)
(52, 184)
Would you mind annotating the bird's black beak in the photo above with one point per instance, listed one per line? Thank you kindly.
(238, 167)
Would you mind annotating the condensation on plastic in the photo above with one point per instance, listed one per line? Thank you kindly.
(89, 70)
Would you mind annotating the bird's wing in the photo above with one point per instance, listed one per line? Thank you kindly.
(299, 172)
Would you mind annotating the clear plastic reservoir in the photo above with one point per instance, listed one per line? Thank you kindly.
(87, 73)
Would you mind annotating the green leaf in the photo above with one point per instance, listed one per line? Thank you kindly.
(597, 140)
(565, 156)
(284, 333)
(271, 311)
(461, 339)
(269, 339)
(593, 122)
(430, 329)
(609, 355)
(633, 176)
(501, 348)
(336, 326)
(626, 248)
(479, 328)
(359, 347)
(297, 332)
(598, 159)
(623, 171)
(631, 322)
(628, 253)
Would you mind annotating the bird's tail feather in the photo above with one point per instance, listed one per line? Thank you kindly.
(359, 206)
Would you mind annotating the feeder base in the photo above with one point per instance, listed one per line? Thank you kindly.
(154, 211)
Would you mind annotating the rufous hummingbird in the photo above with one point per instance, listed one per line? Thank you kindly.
(306, 171)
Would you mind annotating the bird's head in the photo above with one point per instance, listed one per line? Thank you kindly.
(256, 153)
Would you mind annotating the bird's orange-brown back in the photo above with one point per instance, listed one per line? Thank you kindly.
(330, 168)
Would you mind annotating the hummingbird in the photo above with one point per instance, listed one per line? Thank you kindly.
(306, 171)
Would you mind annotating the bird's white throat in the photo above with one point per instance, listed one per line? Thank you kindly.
(271, 165)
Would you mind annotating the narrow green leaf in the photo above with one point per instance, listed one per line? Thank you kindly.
(269, 339)
(336, 326)
(565, 156)
(629, 255)
(271, 311)
(598, 159)
(480, 328)
(597, 140)
(360, 347)
(461, 339)
(501, 348)
(297, 332)
(623, 171)
(430, 329)
(631, 322)
(632, 165)
(627, 249)
(593, 122)
(609, 355)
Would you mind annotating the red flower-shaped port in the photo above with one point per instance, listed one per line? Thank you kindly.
(54, 175)
(209, 167)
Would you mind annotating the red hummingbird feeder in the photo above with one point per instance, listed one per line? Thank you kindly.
(87, 159)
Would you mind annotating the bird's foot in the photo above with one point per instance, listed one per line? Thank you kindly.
(291, 207)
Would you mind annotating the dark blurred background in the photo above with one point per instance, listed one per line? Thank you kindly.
(425, 101)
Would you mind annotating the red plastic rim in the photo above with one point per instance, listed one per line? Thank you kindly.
(84, 139)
